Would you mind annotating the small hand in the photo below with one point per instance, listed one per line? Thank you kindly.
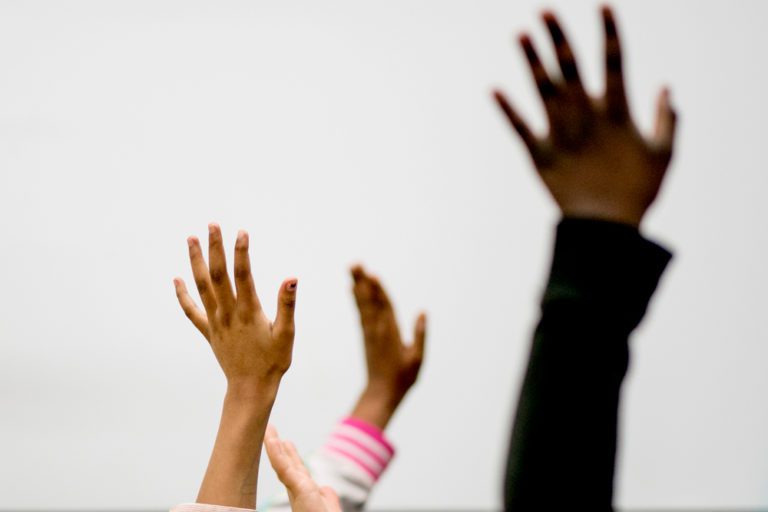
(304, 494)
(250, 349)
(392, 366)
(594, 161)
(253, 353)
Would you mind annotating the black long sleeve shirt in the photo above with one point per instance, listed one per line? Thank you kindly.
(563, 444)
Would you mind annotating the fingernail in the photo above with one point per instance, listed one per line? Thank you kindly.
(242, 237)
(292, 286)
(212, 228)
(191, 241)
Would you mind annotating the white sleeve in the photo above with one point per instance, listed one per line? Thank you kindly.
(351, 462)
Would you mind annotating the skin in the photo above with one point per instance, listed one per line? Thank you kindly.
(393, 366)
(253, 352)
(594, 161)
(596, 164)
(304, 494)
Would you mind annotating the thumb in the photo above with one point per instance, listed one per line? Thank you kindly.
(283, 327)
(420, 336)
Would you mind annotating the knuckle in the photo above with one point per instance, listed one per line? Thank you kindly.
(287, 331)
(242, 273)
(224, 317)
(218, 275)
(202, 286)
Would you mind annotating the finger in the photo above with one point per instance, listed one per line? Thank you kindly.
(286, 304)
(248, 304)
(419, 336)
(293, 453)
(565, 56)
(373, 304)
(517, 122)
(666, 121)
(362, 290)
(195, 314)
(217, 262)
(379, 294)
(271, 432)
(277, 457)
(283, 463)
(368, 288)
(357, 271)
(202, 277)
(546, 88)
(615, 96)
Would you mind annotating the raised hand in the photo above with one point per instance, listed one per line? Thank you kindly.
(392, 366)
(253, 352)
(304, 494)
(249, 347)
(594, 160)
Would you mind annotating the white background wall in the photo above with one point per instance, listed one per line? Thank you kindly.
(351, 131)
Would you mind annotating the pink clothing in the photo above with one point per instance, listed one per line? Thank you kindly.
(351, 462)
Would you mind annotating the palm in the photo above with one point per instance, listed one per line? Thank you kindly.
(594, 161)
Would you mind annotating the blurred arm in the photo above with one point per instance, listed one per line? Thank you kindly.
(563, 442)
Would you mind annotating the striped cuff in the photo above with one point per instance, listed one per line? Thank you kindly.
(362, 444)
(202, 507)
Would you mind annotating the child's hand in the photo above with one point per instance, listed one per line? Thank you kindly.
(250, 349)
(392, 366)
(594, 161)
(304, 494)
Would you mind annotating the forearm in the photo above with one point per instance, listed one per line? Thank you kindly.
(377, 404)
(232, 473)
(564, 436)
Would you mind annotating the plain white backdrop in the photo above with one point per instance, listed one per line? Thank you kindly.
(338, 132)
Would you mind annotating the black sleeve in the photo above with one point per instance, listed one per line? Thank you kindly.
(563, 442)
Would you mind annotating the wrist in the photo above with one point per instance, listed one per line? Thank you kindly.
(252, 391)
(605, 212)
(377, 404)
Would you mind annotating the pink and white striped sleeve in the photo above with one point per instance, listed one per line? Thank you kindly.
(352, 460)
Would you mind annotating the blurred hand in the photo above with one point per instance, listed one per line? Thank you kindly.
(250, 349)
(392, 366)
(594, 161)
(304, 494)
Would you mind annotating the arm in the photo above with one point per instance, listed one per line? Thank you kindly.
(253, 352)
(603, 174)
(563, 442)
(357, 452)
